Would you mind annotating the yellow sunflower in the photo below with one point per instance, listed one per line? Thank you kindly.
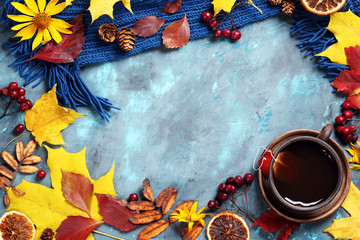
(38, 19)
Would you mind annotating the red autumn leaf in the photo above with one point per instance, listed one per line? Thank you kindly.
(172, 7)
(353, 57)
(115, 212)
(76, 227)
(177, 34)
(68, 49)
(147, 26)
(270, 221)
(354, 100)
(286, 231)
(77, 190)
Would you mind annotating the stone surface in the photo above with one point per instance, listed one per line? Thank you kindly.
(194, 116)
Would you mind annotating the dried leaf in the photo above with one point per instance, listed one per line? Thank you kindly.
(9, 159)
(195, 232)
(5, 181)
(68, 49)
(141, 206)
(99, 7)
(147, 190)
(169, 201)
(76, 227)
(153, 230)
(17, 191)
(177, 34)
(147, 26)
(172, 7)
(19, 151)
(6, 172)
(181, 206)
(286, 231)
(77, 190)
(115, 212)
(159, 200)
(31, 160)
(2, 186)
(28, 169)
(146, 217)
(6, 199)
(29, 149)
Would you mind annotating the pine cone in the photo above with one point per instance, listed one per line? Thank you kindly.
(47, 234)
(126, 39)
(107, 32)
(288, 7)
(275, 2)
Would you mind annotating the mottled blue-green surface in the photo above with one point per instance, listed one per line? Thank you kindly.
(194, 116)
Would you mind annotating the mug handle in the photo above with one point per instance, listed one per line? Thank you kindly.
(325, 132)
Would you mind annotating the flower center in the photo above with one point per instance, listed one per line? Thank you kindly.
(41, 20)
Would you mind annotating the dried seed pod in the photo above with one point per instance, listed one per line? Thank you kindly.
(159, 200)
(126, 39)
(141, 206)
(288, 7)
(5, 181)
(17, 191)
(9, 159)
(153, 230)
(31, 160)
(6, 199)
(107, 32)
(30, 148)
(147, 190)
(275, 2)
(145, 217)
(6, 172)
(195, 232)
(19, 151)
(28, 169)
(169, 201)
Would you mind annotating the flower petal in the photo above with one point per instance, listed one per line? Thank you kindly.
(20, 18)
(61, 28)
(55, 34)
(193, 208)
(202, 222)
(41, 5)
(57, 9)
(202, 209)
(38, 39)
(32, 5)
(26, 33)
(23, 9)
(47, 36)
(51, 5)
(191, 224)
(20, 26)
(61, 23)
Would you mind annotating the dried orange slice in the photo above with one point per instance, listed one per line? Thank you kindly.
(227, 225)
(16, 226)
(323, 7)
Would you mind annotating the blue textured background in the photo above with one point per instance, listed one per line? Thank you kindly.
(194, 116)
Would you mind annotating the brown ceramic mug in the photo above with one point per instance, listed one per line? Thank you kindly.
(297, 211)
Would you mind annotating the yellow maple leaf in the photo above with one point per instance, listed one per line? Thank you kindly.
(348, 227)
(69, 2)
(355, 153)
(47, 118)
(47, 207)
(346, 28)
(225, 5)
(99, 7)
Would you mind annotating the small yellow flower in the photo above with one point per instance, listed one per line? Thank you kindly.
(184, 215)
(38, 19)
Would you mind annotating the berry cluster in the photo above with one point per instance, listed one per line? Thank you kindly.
(229, 188)
(213, 23)
(347, 133)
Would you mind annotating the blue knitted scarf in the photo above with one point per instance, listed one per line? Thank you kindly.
(71, 88)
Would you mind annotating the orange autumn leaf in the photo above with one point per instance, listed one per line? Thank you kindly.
(177, 34)
(46, 119)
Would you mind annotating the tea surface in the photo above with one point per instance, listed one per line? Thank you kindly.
(305, 173)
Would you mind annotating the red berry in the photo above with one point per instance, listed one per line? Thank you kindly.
(226, 32)
(235, 35)
(213, 204)
(346, 131)
(19, 128)
(221, 196)
(23, 107)
(346, 106)
(13, 94)
(5, 91)
(21, 92)
(347, 138)
(13, 86)
(206, 16)
(133, 197)
(222, 187)
(339, 119)
(230, 180)
(248, 178)
(217, 33)
(347, 114)
(339, 129)
(352, 128)
(41, 174)
(239, 181)
(230, 188)
(21, 99)
(213, 23)
(354, 138)
(29, 103)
